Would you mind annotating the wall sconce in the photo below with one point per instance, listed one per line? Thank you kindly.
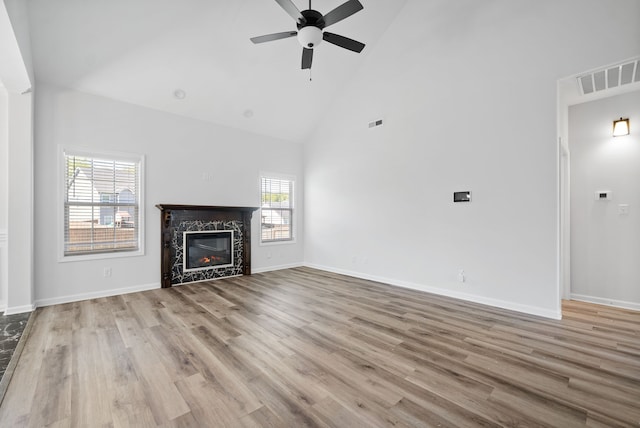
(620, 127)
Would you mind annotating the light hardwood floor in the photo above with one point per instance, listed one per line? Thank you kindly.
(302, 347)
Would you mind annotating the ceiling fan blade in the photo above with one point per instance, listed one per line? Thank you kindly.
(341, 12)
(274, 36)
(343, 42)
(307, 57)
(292, 10)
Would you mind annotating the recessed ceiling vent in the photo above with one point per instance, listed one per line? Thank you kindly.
(610, 77)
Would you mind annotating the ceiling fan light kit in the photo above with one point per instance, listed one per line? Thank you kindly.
(309, 36)
(311, 25)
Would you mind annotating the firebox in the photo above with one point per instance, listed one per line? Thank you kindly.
(211, 249)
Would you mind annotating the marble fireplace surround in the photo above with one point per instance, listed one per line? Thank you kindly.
(177, 219)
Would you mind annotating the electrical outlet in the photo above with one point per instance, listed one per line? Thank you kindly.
(107, 272)
(461, 276)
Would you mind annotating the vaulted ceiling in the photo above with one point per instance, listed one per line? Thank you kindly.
(142, 51)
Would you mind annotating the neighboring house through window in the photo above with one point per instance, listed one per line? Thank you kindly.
(102, 203)
(276, 212)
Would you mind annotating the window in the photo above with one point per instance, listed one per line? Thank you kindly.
(276, 209)
(102, 204)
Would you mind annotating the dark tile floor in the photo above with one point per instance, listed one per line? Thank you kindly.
(11, 329)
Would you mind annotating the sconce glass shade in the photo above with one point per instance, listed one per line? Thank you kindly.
(620, 127)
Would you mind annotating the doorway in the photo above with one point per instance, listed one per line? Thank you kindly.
(599, 196)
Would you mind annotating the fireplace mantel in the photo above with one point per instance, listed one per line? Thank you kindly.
(177, 219)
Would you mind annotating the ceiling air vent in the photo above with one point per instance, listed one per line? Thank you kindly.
(610, 77)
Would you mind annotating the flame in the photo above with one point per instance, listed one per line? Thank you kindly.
(210, 259)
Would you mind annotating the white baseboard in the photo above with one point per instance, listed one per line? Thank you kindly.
(96, 294)
(607, 302)
(279, 267)
(19, 309)
(518, 307)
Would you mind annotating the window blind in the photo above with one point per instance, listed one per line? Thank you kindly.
(276, 209)
(101, 205)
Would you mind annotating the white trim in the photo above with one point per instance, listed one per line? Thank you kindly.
(276, 175)
(607, 302)
(121, 156)
(98, 256)
(96, 294)
(19, 309)
(278, 242)
(531, 310)
(93, 153)
(4, 269)
(293, 208)
(279, 267)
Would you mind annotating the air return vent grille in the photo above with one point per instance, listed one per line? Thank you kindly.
(610, 77)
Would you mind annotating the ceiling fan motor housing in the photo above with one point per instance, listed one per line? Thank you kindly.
(310, 33)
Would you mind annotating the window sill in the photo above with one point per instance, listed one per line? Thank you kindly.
(272, 243)
(99, 256)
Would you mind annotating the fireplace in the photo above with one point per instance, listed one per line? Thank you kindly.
(207, 250)
(201, 243)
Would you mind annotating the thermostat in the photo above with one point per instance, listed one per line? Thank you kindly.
(603, 195)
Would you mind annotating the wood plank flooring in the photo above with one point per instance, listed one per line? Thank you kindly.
(302, 347)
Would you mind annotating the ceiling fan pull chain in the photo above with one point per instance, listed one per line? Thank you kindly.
(310, 79)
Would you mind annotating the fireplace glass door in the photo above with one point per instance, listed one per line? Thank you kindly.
(211, 249)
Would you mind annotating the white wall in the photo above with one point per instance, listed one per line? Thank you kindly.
(20, 210)
(16, 250)
(4, 194)
(179, 151)
(4, 157)
(468, 104)
(16, 73)
(605, 245)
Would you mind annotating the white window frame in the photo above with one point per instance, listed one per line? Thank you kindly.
(111, 155)
(294, 220)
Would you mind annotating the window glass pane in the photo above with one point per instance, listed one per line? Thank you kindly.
(101, 205)
(277, 209)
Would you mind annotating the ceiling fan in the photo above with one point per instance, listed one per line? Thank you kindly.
(311, 25)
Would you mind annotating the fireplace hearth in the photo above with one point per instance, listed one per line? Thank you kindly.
(204, 242)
